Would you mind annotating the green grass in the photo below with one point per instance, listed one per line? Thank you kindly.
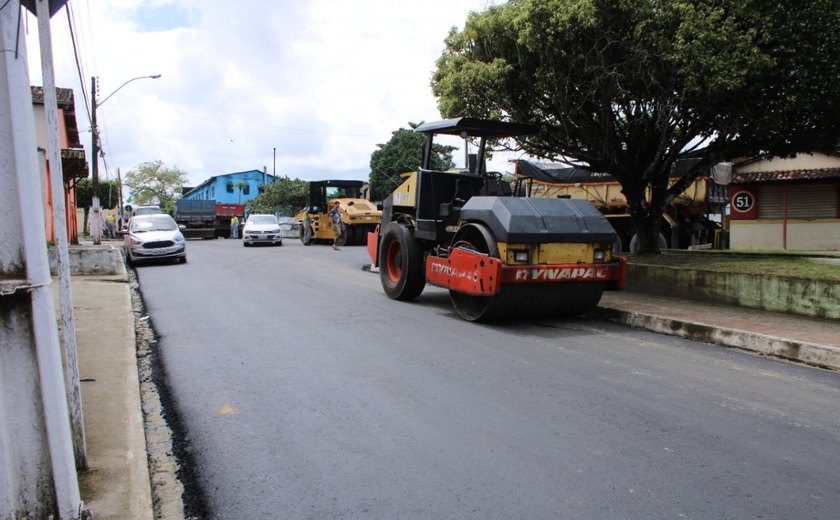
(785, 265)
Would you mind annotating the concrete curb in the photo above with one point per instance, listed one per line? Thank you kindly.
(823, 356)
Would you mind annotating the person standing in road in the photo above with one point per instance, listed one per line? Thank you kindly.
(307, 227)
(335, 215)
(234, 227)
(111, 223)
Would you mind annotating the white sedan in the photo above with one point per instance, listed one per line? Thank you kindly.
(262, 229)
(154, 237)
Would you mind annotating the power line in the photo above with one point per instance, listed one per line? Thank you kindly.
(78, 62)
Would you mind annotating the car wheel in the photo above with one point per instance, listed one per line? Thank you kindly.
(184, 259)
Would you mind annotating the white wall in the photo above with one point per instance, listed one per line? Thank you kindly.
(802, 161)
(810, 235)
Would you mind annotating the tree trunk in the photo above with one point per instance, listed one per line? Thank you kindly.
(646, 217)
(85, 221)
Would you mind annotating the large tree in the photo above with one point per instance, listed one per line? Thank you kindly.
(284, 196)
(627, 87)
(403, 153)
(155, 183)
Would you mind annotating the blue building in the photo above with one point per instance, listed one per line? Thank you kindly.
(226, 189)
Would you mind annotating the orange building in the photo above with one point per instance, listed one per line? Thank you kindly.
(73, 161)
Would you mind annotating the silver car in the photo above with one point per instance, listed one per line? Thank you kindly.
(154, 237)
(262, 229)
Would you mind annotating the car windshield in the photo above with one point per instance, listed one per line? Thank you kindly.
(150, 210)
(153, 223)
(262, 219)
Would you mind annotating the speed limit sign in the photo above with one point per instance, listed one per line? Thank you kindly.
(743, 201)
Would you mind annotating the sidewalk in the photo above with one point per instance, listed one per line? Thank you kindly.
(117, 485)
(808, 340)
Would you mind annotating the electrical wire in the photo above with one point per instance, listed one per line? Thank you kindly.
(78, 62)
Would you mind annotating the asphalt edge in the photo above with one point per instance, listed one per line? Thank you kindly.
(163, 466)
(813, 354)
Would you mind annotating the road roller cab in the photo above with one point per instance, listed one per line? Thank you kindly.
(499, 255)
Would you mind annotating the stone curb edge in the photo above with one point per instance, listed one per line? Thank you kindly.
(823, 356)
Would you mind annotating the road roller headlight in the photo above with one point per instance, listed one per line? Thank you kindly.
(600, 255)
(520, 257)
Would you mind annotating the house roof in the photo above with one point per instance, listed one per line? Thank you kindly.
(786, 176)
(74, 165)
(73, 162)
(66, 101)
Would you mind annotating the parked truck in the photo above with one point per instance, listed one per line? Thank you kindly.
(685, 222)
(206, 218)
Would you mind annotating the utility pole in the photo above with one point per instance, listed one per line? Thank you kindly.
(37, 468)
(119, 201)
(56, 172)
(96, 224)
(96, 210)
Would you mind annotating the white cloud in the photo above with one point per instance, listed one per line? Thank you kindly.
(322, 81)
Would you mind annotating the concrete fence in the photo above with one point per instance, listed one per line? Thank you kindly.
(90, 260)
(814, 298)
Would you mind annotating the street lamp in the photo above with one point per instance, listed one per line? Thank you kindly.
(96, 223)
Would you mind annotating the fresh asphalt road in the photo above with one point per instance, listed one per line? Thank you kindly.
(307, 393)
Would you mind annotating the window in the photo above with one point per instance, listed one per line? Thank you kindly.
(260, 189)
(230, 187)
(246, 189)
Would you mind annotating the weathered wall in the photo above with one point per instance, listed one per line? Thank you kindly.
(797, 296)
(814, 235)
(92, 260)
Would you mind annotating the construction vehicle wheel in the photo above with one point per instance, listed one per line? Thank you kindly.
(520, 300)
(342, 238)
(350, 235)
(478, 238)
(305, 238)
(401, 263)
(531, 301)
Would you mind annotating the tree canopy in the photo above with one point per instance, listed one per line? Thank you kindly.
(284, 196)
(155, 183)
(403, 153)
(627, 87)
(109, 196)
(109, 193)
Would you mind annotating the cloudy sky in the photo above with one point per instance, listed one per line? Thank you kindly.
(322, 81)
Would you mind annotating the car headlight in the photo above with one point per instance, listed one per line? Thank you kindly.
(600, 255)
(135, 241)
(276, 230)
(179, 238)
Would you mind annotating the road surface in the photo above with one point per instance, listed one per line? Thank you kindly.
(306, 393)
